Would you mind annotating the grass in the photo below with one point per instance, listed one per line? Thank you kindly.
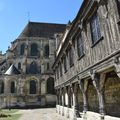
(10, 114)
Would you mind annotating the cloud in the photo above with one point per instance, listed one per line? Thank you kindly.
(2, 6)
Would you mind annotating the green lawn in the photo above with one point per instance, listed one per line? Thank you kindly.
(11, 114)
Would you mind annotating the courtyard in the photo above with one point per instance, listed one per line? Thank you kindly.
(33, 114)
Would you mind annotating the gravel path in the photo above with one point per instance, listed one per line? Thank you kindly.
(41, 114)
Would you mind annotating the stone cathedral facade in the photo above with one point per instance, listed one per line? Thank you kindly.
(26, 76)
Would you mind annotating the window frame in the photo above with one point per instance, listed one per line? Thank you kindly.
(61, 71)
(65, 63)
(80, 46)
(22, 49)
(12, 87)
(33, 49)
(71, 55)
(30, 87)
(95, 29)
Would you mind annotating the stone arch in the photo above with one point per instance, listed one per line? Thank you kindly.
(32, 87)
(92, 97)
(34, 49)
(33, 69)
(79, 99)
(22, 49)
(112, 94)
(70, 97)
(50, 86)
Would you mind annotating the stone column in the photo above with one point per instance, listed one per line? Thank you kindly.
(83, 87)
(63, 102)
(98, 82)
(69, 98)
(59, 100)
(74, 99)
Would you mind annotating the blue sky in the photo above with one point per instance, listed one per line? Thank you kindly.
(14, 15)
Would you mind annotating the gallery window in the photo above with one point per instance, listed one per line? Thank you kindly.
(65, 63)
(80, 46)
(57, 72)
(34, 50)
(95, 28)
(12, 89)
(22, 49)
(60, 69)
(32, 87)
(71, 56)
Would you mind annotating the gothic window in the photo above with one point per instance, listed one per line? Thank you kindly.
(65, 63)
(48, 66)
(19, 66)
(33, 69)
(95, 28)
(32, 87)
(22, 49)
(2, 87)
(46, 51)
(71, 56)
(34, 50)
(50, 86)
(12, 89)
(80, 46)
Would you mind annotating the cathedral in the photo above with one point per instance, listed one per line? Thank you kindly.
(26, 75)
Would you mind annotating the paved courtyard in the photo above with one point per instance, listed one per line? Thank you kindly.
(41, 114)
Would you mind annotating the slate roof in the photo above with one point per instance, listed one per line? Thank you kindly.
(35, 29)
(12, 70)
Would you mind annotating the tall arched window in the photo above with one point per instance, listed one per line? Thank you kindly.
(2, 87)
(32, 87)
(12, 88)
(22, 49)
(19, 65)
(46, 51)
(34, 50)
(33, 68)
(50, 86)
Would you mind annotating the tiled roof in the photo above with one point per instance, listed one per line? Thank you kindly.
(34, 29)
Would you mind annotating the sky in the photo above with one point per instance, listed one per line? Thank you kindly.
(15, 14)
